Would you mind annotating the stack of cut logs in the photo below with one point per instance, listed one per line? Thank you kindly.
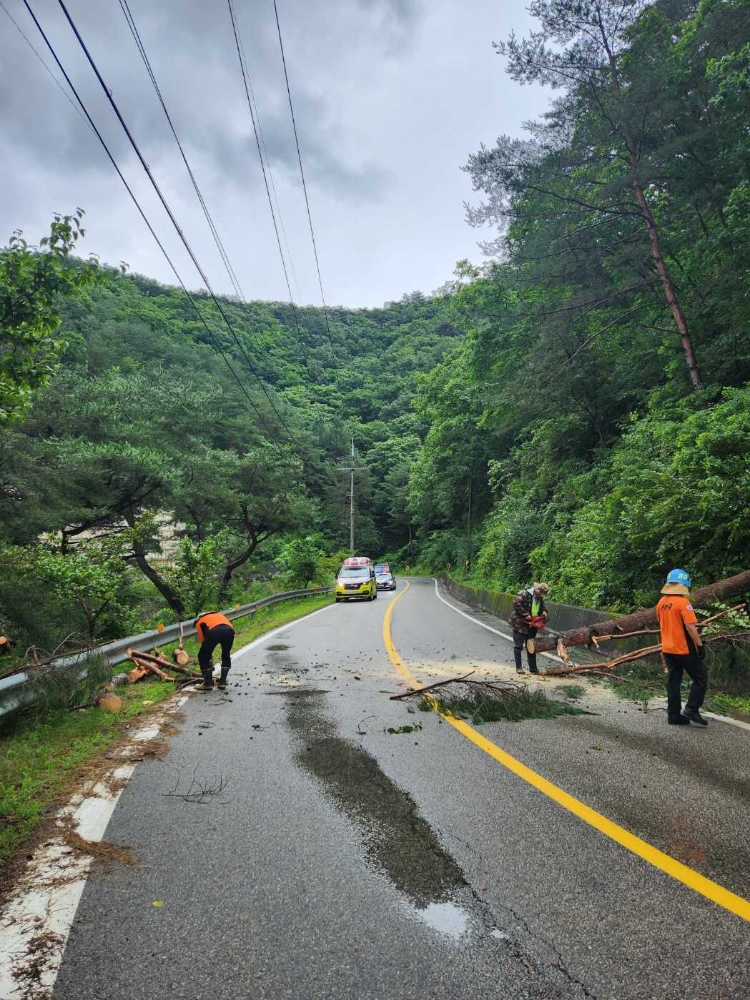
(157, 663)
(144, 664)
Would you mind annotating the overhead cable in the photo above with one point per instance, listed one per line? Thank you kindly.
(256, 123)
(30, 44)
(125, 7)
(171, 215)
(302, 173)
(150, 228)
(147, 63)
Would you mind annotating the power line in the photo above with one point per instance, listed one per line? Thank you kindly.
(150, 228)
(171, 215)
(124, 6)
(41, 60)
(130, 19)
(302, 173)
(253, 113)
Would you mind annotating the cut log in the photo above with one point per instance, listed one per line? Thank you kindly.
(152, 668)
(110, 703)
(162, 662)
(646, 618)
(180, 654)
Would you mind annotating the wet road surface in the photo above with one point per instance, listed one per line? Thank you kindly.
(340, 860)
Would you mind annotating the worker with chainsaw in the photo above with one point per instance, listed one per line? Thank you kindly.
(529, 615)
(213, 629)
(683, 650)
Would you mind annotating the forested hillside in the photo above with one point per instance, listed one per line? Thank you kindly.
(577, 409)
(153, 476)
(597, 408)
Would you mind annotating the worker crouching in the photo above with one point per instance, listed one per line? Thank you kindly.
(683, 649)
(529, 615)
(214, 629)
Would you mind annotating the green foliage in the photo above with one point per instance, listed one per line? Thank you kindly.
(535, 418)
(678, 496)
(195, 572)
(567, 403)
(48, 597)
(143, 441)
(32, 284)
(301, 560)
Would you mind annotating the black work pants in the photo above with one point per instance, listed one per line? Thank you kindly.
(695, 668)
(519, 641)
(219, 635)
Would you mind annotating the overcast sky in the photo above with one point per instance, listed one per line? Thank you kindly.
(391, 97)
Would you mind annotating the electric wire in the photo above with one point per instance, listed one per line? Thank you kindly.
(246, 82)
(277, 203)
(150, 228)
(302, 174)
(30, 44)
(124, 6)
(130, 19)
(171, 215)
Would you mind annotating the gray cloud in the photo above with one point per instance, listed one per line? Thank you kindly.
(390, 98)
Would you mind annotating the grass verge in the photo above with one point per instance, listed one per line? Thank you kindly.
(40, 759)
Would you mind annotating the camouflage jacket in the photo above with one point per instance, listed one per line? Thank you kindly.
(522, 606)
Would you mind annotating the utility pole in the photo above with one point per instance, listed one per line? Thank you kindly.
(351, 469)
(468, 526)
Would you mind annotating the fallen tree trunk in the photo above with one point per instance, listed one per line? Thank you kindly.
(646, 618)
(638, 654)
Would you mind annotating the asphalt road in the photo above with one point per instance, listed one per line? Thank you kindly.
(329, 858)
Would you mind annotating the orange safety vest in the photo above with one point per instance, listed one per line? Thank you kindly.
(206, 622)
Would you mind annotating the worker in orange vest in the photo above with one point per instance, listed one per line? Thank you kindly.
(213, 629)
(683, 649)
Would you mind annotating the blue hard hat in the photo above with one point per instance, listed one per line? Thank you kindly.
(679, 576)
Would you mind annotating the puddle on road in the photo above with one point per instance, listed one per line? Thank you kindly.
(447, 918)
(277, 647)
(399, 844)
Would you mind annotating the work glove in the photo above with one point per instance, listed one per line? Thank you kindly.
(701, 652)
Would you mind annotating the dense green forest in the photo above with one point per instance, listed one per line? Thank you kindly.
(576, 409)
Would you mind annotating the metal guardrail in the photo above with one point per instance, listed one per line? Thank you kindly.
(15, 692)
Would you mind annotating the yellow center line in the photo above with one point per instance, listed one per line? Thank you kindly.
(688, 876)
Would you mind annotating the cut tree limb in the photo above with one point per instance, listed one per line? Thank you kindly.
(437, 684)
(646, 619)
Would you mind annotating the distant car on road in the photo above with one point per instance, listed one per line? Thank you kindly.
(356, 579)
(385, 579)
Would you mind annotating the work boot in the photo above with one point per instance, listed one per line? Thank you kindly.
(221, 684)
(207, 684)
(693, 715)
(679, 720)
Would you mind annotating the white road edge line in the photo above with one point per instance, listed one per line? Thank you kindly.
(504, 635)
(269, 635)
(48, 908)
(709, 715)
